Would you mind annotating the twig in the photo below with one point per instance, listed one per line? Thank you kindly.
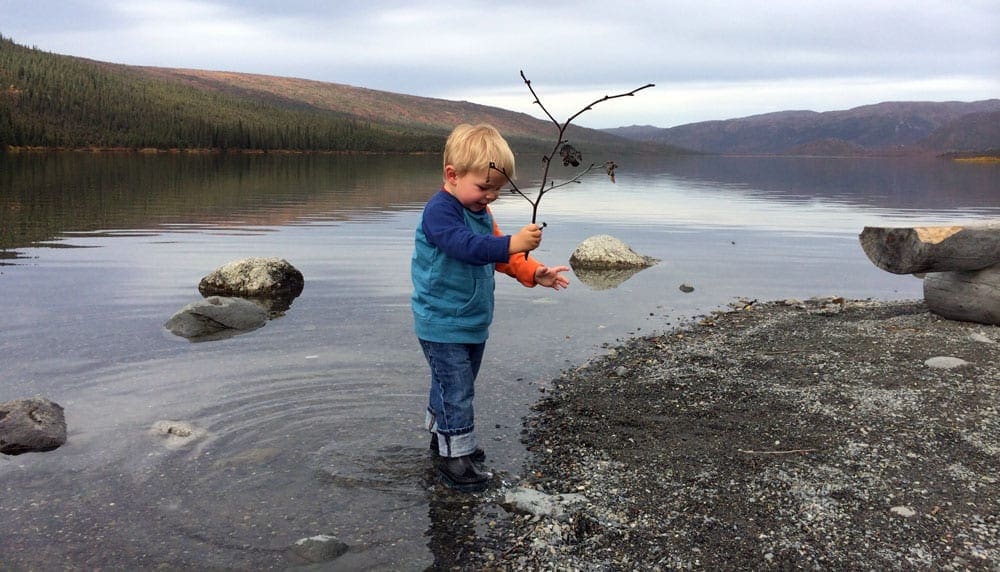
(560, 138)
(560, 141)
(788, 452)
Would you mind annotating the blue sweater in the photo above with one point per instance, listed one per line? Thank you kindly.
(454, 254)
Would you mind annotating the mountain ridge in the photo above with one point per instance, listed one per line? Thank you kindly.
(58, 101)
(886, 128)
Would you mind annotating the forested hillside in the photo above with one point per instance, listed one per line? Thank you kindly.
(56, 101)
(50, 100)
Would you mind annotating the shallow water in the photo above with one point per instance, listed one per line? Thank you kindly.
(313, 421)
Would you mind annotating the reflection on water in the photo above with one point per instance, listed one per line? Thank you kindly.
(312, 422)
(48, 196)
(605, 278)
(815, 196)
(892, 184)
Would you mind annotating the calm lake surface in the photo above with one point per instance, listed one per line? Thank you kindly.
(313, 422)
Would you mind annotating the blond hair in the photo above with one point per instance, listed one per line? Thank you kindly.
(474, 147)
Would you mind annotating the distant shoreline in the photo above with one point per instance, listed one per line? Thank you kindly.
(16, 150)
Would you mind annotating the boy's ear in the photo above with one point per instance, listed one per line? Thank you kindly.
(450, 174)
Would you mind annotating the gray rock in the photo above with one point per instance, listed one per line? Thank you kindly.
(981, 338)
(686, 288)
(176, 433)
(537, 503)
(945, 362)
(607, 252)
(31, 425)
(253, 277)
(903, 511)
(257, 456)
(320, 548)
(216, 317)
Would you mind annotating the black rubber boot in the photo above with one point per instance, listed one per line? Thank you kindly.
(461, 474)
(478, 456)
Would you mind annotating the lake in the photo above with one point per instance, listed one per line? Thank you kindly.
(313, 422)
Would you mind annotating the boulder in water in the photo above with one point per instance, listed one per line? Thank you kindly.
(31, 425)
(254, 277)
(606, 252)
(216, 317)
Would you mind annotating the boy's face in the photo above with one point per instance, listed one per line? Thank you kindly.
(474, 190)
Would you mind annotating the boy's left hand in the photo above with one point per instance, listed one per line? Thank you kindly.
(550, 277)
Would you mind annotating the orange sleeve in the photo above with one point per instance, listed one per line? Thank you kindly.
(517, 266)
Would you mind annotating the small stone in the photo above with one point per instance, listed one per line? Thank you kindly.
(686, 288)
(537, 503)
(945, 362)
(981, 338)
(903, 511)
(176, 433)
(621, 371)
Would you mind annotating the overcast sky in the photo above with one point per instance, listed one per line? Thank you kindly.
(709, 59)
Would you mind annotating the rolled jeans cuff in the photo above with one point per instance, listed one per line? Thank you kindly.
(452, 445)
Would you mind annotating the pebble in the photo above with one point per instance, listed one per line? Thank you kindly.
(945, 362)
(537, 503)
(903, 511)
(981, 338)
(176, 433)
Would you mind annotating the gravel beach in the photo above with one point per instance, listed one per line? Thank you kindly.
(821, 434)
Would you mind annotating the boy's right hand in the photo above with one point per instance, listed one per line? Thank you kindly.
(526, 239)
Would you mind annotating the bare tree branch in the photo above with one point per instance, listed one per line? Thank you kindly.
(538, 101)
(561, 141)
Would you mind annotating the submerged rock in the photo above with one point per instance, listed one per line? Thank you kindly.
(319, 548)
(275, 305)
(176, 433)
(254, 278)
(607, 252)
(216, 317)
(31, 425)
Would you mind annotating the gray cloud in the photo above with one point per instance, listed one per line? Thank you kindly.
(710, 59)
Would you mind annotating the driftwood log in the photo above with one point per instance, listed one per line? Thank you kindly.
(962, 262)
(910, 250)
(970, 296)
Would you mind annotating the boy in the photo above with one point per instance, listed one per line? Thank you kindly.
(457, 248)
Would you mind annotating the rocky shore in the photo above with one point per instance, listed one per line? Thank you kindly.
(825, 434)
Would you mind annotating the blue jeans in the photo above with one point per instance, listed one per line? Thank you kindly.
(454, 368)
